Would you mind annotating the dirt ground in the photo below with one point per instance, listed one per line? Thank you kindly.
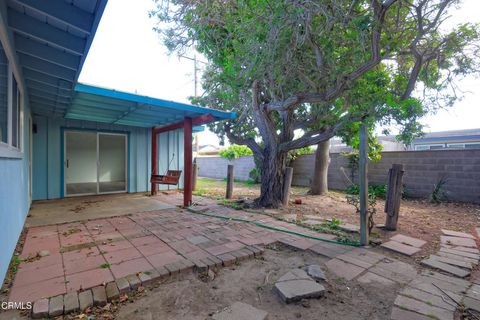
(252, 283)
(418, 218)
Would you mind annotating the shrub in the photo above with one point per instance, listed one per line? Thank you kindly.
(235, 151)
(380, 191)
(439, 194)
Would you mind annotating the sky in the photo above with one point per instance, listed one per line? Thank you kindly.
(128, 55)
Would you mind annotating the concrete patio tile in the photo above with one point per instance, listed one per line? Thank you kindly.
(43, 231)
(115, 246)
(162, 259)
(35, 291)
(455, 257)
(353, 260)
(472, 304)
(414, 242)
(365, 255)
(141, 241)
(80, 254)
(474, 292)
(122, 285)
(240, 311)
(89, 263)
(133, 281)
(107, 237)
(32, 247)
(461, 253)
(130, 267)
(88, 279)
(154, 248)
(454, 261)
(300, 243)
(400, 248)
(435, 263)
(401, 314)
(448, 279)
(457, 234)
(460, 248)
(370, 277)
(430, 285)
(423, 308)
(428, 298)
(464, 242)
(42, 262)
(344, 270)
(397, 271)
(119, 256)
(329, 250)
(28, 277)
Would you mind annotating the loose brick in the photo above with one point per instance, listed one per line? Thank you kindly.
(85, 299)
(153, 274)
(257, 251)
(227, 259)
(112, 291)
(200, 266)
(70, 302)
(173, 268)
(99, 296)
(217, 262)
(40, 309)
(240, 255)
(163, 272)
(188, 266)
(122, 285)
(133, 281)
(55, 307)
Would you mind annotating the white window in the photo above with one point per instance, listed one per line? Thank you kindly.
(466, 145)
(472, 145)
(419, 147)
(11, 111)
(456, 145)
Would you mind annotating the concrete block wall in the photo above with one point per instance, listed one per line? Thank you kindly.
(423, 169)
(216, 167)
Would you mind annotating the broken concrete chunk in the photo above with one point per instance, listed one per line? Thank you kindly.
(296, 290)
(315, 272)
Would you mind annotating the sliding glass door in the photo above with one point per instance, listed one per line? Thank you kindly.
(94, 163)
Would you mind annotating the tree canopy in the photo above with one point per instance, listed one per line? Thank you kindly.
(319, 66)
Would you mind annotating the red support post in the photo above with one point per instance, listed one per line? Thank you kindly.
(154, 186)
(187, 162)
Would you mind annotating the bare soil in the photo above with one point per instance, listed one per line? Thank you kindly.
(252, 282)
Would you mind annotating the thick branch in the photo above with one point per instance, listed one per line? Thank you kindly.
(249, 142)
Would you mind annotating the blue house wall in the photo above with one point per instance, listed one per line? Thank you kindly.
(14, 198)
(47, 154)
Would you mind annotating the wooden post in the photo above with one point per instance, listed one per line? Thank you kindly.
(195, 175)
(287, 183)
(154, 186)
(394, 196)
(363, 181)
(229, 181)
(187, 162)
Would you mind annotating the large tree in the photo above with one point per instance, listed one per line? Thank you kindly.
(290, 64)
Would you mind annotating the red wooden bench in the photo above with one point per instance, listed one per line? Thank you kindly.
(171, 177)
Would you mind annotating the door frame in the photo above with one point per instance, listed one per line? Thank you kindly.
(63, 163)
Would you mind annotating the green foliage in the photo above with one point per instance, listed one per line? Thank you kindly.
(439, 194)
(295, 153)
(379, 191)
(255, 175)
(354, 200)
(235, 151)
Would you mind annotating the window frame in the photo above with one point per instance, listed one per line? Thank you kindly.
(8, 150)
(428, 146)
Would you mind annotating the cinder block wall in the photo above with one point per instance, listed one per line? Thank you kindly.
(216, 167)
(423, 169)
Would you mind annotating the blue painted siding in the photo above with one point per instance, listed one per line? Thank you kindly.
(14, 200)
(47, 155)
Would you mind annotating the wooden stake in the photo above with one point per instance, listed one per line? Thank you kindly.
(195, 175)
(394, 196)
(363, 181)
(286, 185)
(229, 181)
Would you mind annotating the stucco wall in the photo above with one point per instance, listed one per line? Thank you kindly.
(216, 167)
(423, 169)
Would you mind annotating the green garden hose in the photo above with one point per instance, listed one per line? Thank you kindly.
(259, 224)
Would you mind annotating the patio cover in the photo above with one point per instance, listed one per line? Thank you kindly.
(116, 107)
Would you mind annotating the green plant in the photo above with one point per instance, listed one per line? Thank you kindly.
(105, 265)
(14, 264)
(380, 191)
(354, 200)
(295, 153)
(439, 194)
(255, 175)
(235, 151)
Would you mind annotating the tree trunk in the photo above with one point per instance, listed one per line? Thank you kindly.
(273, 170)
(320, 174)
